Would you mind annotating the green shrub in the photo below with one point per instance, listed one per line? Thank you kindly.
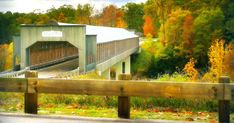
(175, 77)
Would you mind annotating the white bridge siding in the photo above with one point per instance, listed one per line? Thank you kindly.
(111, 55)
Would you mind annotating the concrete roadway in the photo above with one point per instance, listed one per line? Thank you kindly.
(29, 118)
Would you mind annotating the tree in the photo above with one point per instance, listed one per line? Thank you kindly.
(162, 8)
(229, 61)
(174, 30)
(228, 9)
(6, 56)
(148, 26)
(187, 43)
(83, 13)
(220, 59)
(149, 10)
(133, 16)
(120, 23)
(190, 69)
(8, 26)
(66, 13)
(42, 19)
(207, 26)
(61, 17)
(9, 57)
(216, 56)
(109, 17)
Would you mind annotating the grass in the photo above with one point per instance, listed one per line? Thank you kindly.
(175, 77)
(135, 113)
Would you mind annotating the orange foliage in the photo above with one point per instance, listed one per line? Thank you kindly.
(61, 17)
(148, 26)
(186, 36)
(109, 16)
(190, 70)
(119, 21)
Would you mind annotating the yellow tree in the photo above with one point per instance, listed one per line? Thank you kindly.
(229, 61)
(6, 56)
(9, 57)
(217, 57)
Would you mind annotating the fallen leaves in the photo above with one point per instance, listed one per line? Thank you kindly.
(173, 114)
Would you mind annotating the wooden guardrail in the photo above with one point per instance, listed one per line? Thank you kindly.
(222, 91)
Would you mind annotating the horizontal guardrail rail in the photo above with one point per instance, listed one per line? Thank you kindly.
(222, 91)
(117, 88)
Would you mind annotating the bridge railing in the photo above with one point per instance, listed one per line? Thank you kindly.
(124, 89)
(11, 74)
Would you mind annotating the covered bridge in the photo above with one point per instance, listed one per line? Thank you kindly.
(104, 49)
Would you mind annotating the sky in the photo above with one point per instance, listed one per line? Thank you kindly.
(27, 6)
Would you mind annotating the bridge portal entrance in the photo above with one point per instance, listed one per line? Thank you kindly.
(44, 53)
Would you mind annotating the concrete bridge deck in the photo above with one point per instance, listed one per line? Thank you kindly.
(30, 118)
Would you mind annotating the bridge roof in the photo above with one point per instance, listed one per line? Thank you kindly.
(105, 34)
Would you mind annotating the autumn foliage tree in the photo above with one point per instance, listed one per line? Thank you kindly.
(61, 17)
(108, 17)
(229, 61)
(148, 27)
(83, 14)
(120, 23)
(174, 30)
(6, 56)
(187, 27)
(190, 69)
(218, 54)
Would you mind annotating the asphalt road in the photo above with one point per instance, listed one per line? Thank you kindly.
(28, 118)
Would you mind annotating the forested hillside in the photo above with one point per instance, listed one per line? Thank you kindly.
(181, 36)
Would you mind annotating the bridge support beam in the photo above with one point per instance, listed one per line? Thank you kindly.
(122, 67)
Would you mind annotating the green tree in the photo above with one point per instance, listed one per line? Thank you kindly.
(133, 16)
(42, 19)
(8, 26)
(208, 26)
(83, 14)
(161, 9)
(174, 28)
(67, 10)
(228, 9)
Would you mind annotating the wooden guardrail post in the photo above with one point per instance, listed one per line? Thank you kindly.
(124, 101)
(30, 98)
(224, 103)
